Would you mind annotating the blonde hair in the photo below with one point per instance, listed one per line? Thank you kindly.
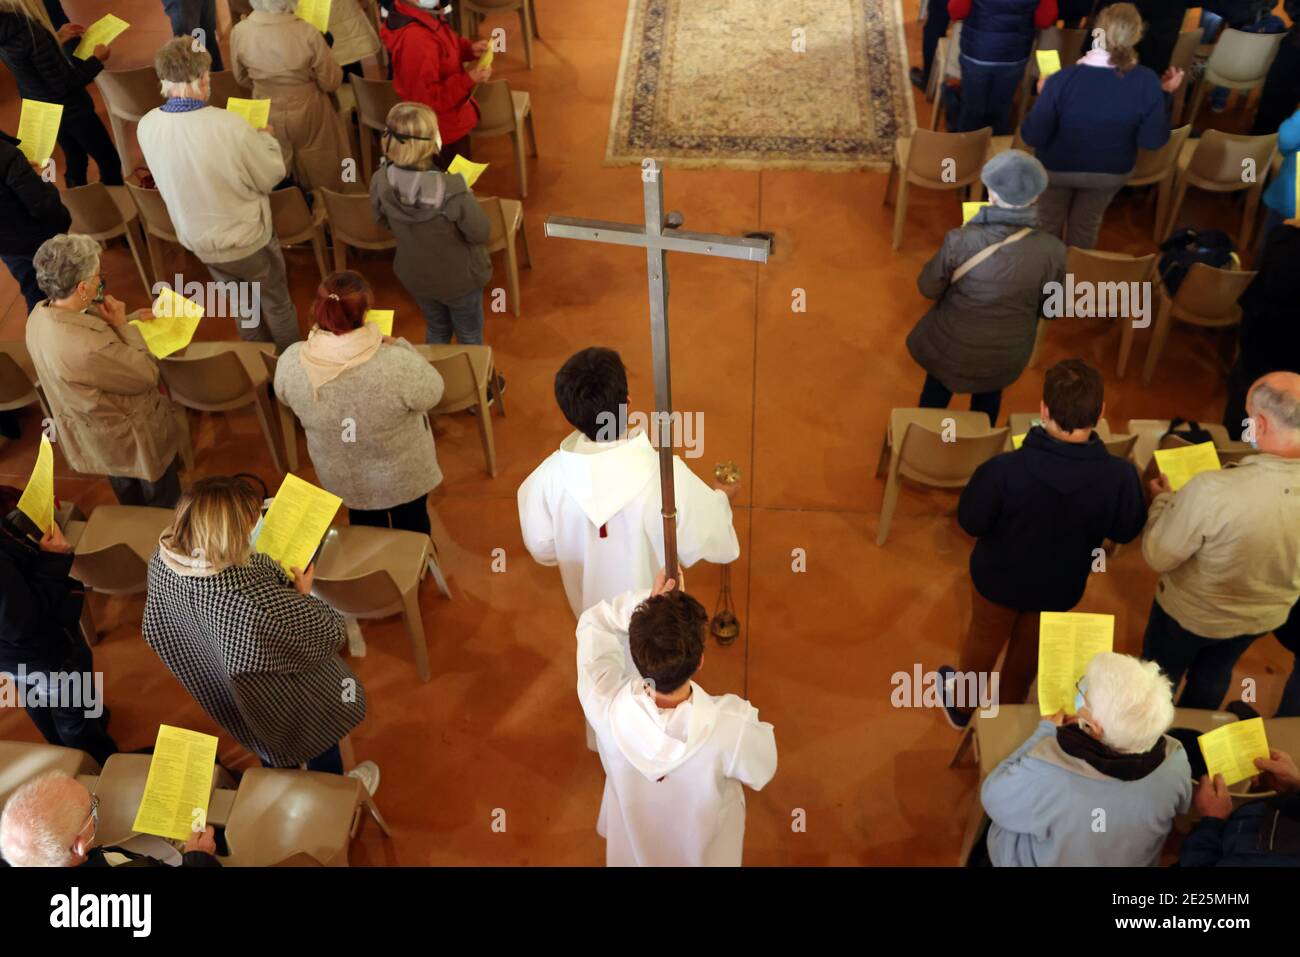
(214, 519)
(1131, 698)
(1122, 28)
(33, 10)
(414, 120)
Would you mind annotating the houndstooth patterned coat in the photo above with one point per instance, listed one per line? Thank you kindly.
(260, 658)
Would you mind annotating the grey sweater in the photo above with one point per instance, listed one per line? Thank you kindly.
(367, 431)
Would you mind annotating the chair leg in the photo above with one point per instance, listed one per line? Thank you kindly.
(887, 506)
(485, 433)
(521, 163)
(152, 244)
(532, 13)
(532, 132)
(373, 810)
(527, 258)
(356, 638)
(88, 629)
(1248, 216)
(494, 390)
(512, 273)
(1159, 335)
(963, 745)
(900, 209)
(133, 240)
(889, 183)
(318, 250)
(289, 435)
(434, 568)
(883, 465)
(526, 20)
(415, 629)
(1175, 207)
(1125, 347)
(266, 417)
(340, 255)
(1164, 193)
(937, 109)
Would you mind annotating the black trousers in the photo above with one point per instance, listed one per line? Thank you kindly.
(451, 150)
(413, 516)
(936, 395)
(82, 136)
(21, 268)
(936, 25)
(164, 493)
(60, 722)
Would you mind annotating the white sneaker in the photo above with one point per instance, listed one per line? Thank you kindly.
(367, 772)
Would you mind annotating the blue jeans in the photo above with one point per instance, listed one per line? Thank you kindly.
(186, 15)
(462, 316)
(1207, 662)
(329, 762)
(987, 90)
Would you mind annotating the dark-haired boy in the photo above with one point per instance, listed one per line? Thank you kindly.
(675, 757)
(1039, 516)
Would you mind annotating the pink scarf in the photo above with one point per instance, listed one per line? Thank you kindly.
(327, 355)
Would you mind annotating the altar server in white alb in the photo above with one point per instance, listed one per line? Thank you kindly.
(676, 758)
(593, 507)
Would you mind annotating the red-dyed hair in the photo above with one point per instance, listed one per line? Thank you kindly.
(341, 302)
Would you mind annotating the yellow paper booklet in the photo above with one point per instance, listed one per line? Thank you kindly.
(470, 172)
(1067, 642)
(383, 318)
(173, 325)
(104, 30)
(315, 12)
(486, 60)
(1018, 440)
(37, 501)
(1179, 465)
(38, 128)
(1049, 61)
(176, 793)
(256, 112)
(1232, 749)
(294, 525)
(968, 211)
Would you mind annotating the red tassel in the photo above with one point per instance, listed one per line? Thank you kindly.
(604, 531)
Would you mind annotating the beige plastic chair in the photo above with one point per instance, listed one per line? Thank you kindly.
(507, 219)
(156, 222)
(120, 788)
(1068, 43)
(222, 377)
(111, 551)
(282, 812)
(129, 95)
(107, 212)
(506, 112)
(946, 66)
(924, 158)
(473, 11)
(1216, 162)
(374, 98)
(1150, 431)
(1207, 297)
(1098, 267)
(295, 223)
(352, 223)
(1121, 446)
(17, 377)
(468, 376)
(1183, 57)
(20, 761)
(914, 448)
(369, 572)
(1238, 61)
(288, 421)
(1159, 168)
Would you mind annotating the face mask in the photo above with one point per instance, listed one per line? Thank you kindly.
(435, 5)
(1078, 701)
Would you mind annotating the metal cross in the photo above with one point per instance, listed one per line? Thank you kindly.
(659, 236)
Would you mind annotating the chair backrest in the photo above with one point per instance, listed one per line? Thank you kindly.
(207, 383)
(1121, 446)
(153, 212)
(1241, 57)
(281, 812)
(927, 455)
(1185, 49)
(360, 596)
(119, 789)
(20, 761)
(352, 221)
(1220, 158)
(952, 52)
(496, 107)
(290, 216)
(114, 570)
(494, 209)
(270, 360)
(16, 389)
(931, 152)
(374, 99)
(130, 94)
(459, 385)
(93, 211)
(1211, 294)
(1096, 266)
(224, 86)
(1153, 164)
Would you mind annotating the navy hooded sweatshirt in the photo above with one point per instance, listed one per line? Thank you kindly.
(1039, 512)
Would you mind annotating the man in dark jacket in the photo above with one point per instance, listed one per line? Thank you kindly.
(996, 39)
(1040, 515)
(1263, 833)
(40, 614)
(30, 213)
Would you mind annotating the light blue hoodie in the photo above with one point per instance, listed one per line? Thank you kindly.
(1047, 806)
(1280, 195)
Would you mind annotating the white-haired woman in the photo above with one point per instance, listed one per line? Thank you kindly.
(1100, 788)
(100, 378)
(286, 60)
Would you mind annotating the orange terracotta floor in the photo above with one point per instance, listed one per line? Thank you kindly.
(800, 401)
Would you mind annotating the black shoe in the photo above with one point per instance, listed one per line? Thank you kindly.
(919, 78)
(956, 717)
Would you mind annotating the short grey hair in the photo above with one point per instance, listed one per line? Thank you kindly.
(179, 65)
(63, 261)
(1281, 407)
(274, 6)
(1131, 699)
(40, 824)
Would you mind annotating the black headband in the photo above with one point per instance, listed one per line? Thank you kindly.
(404, 137)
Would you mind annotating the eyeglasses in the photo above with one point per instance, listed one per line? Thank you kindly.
(92, 817)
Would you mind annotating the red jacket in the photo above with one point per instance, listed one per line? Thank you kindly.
(428, 67)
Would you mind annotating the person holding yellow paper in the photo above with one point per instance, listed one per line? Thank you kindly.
(100, 379)
(381, 389)
(52, 820)
(1227, 547)
(1261, 833)
(286, 60)
(1098, 789)
(259, 653)
(40, 58)
(41, 643)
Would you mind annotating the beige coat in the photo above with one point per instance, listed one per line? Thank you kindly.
(286, 60)
(102, 386)
(354, 34)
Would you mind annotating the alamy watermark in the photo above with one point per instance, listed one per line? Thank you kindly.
(1098, 300)
(685, 428)
(222, 300)
(54, 689)
(976, 690)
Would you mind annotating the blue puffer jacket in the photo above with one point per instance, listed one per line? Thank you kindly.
(999, 31)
